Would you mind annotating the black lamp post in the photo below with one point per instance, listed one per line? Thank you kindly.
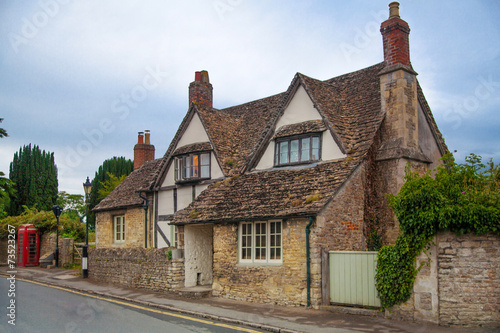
(57, 212)
(87, 187)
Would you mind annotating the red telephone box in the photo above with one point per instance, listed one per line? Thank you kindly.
(28, 245)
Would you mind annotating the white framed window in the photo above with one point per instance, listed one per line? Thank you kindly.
(297, 150)
(192, 167)
(260, 242)
(119, 228)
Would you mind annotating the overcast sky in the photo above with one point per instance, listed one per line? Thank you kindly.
(81, 78)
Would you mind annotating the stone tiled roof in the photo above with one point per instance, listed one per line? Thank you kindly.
(351, 107)
(311, 126)
(195, 147)
(125, 194)
(273, 194)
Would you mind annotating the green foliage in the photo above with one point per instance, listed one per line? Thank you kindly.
(109, 185)
(45, 221)
(73, 204)
(6, 191)
(34, 177)
(117, 166)
(3, 132)
(460, 198)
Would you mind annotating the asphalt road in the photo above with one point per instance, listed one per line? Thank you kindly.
(40, 308)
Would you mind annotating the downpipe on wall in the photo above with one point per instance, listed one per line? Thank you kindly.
(308, 261)
(145, 206)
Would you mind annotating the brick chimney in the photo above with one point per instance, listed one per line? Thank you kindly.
(143, 151)
(200, 90)
(395, 33)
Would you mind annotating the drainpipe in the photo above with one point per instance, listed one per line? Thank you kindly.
(145, 206)
(308, 261)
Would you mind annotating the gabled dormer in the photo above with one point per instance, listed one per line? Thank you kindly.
(301, 135)
(192, 158)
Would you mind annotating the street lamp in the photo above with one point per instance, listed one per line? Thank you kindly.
(87, 187)
(57, 212)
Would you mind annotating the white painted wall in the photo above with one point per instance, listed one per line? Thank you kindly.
(165, 228)
(198, 249)
(166, 202)
(301, 109)
(195, 132)
(184, 197)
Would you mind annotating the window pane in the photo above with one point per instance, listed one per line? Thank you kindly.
(205, 171)
(306, 149)
(294, 151)
(205, 159)
(275, 240)
(315, 148)
(283, 152)
(195, 166)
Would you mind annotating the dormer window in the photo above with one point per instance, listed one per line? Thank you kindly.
(189, 167)
(301, 149)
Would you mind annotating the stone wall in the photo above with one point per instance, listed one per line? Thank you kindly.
(460, 286)
(136, 268)
(469, 280)
(275, 284)
(339, 227)
(66, 248)
(134, 228)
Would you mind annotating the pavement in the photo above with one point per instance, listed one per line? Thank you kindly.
(271, 318)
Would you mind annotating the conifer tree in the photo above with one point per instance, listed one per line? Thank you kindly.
(34, 176)
(117, 167)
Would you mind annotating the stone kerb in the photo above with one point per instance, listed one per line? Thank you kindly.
(136, 268)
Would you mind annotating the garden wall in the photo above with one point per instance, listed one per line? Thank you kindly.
(461, 284)
(136, 268)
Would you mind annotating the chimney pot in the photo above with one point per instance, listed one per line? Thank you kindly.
(394, 9)
(140, 137)
(146, 137)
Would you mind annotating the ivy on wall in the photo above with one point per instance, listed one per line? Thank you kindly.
(461, 198)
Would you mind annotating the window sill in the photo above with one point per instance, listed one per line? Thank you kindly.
(259, 264)
(191, 181)
(296, 164)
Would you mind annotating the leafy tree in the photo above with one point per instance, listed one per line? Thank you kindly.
(6, 191)
(461, 198)
(5, 184)
(73, 204)
(2, 131)
(34, 176)
(109, 185)
(116, 166)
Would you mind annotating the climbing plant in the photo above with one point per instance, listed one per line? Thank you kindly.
(461, 198)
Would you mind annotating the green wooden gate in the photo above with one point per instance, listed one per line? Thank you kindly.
(352, 278)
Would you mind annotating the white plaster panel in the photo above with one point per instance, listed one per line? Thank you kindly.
(165, 228)
(330, 149)
(166, 202)
(195, 132)
(170, 177)
(200, 188)
(198, 249)
(299, 109)
(216, 171)
(184, 197)
(267, 159)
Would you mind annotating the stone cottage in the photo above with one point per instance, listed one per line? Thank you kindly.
(253, 193)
